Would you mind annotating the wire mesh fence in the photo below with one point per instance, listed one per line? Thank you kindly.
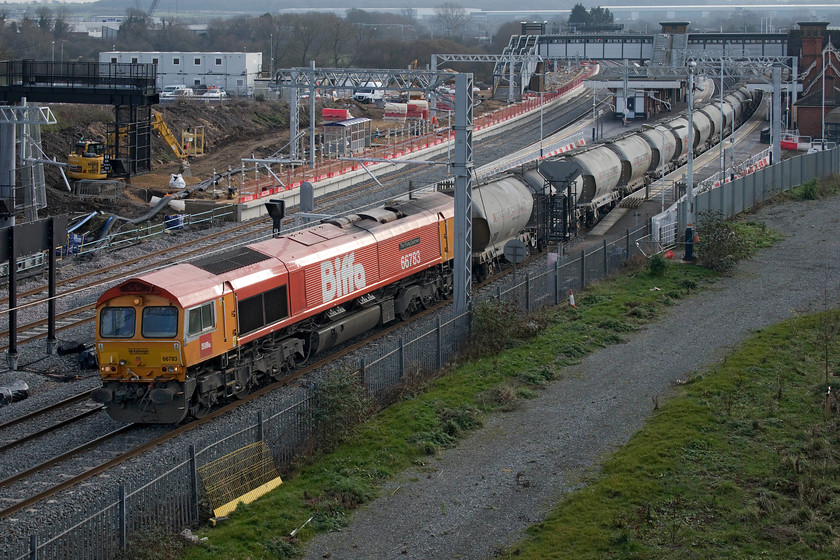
(170, 501)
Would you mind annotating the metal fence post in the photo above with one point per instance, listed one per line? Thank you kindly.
(194, 482)
(33, 547)
(606, 264)
(123, 528)
(557, 281)
(499, 294)
(402, 357)
(627, 248)
(582, 269)
(439, 353)
(363, 372)
(260, 426)
(528, 292)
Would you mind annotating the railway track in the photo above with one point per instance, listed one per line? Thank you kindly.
(83, 314)
(45, 421)
(26, 488)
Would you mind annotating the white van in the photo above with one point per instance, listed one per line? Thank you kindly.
(176, 91)
(369, 92)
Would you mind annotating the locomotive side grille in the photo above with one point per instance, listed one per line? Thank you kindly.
(227, 261)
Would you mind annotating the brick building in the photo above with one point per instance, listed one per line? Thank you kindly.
(818, 104)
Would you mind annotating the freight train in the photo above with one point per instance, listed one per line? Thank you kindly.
(174, 342)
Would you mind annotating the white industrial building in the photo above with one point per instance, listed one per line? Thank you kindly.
(234, 72)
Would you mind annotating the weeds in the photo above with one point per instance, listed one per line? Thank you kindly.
(658, 265)
(816, 189)
(713, 472)
(342, 406)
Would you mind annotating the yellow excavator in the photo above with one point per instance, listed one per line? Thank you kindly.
(160, 127)
(88, 160)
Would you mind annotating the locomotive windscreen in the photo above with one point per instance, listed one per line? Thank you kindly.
(230, 260)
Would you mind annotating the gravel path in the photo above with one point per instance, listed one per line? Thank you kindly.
(482, 495)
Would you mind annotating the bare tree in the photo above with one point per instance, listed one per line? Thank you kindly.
(338, 38)
(45, 18)
(451, 18)
(61, 23)
(306, 35)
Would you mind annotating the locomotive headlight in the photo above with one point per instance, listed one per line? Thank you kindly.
(122, 362)
(138, 301)
(171, 369)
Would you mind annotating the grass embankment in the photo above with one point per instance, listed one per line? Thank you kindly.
(743, 464)
(535, 350)
(408, 432)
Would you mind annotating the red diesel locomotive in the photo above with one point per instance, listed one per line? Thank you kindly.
(173, 342)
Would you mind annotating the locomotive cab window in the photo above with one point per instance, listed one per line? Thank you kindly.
(201, 319)
(160, 322)
(116, 322)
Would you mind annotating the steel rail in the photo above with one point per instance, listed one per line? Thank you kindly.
(54, 427)
(59, 404)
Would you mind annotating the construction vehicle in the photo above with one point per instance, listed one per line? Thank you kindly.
(160, 127)
(88, 160)
(92, 159)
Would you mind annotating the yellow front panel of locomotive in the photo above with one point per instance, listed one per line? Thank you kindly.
(140, 360)
(136, 358)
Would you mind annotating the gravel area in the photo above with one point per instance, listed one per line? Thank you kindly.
(472, 501)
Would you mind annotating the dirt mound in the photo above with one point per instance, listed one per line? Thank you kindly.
(233, 129)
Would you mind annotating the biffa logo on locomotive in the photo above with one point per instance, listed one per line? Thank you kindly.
(340, 277)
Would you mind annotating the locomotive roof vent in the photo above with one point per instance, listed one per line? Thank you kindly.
(381, 215)
(343, 221)
(233, 259)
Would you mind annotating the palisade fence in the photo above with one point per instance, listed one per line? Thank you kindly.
(173, 500)
(745, 192)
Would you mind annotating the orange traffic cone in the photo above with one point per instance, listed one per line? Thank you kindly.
(571, 298)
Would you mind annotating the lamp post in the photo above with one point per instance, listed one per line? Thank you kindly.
(541, 124)
(448, 142)
(689, 229)
(53, 55)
